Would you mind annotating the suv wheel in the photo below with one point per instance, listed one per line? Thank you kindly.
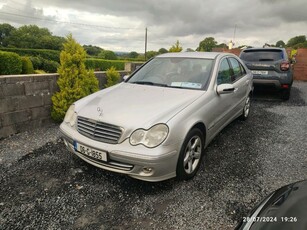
(285, 94)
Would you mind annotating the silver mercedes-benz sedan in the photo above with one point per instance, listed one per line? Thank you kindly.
(156, 124)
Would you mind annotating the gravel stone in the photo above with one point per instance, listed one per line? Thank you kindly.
(43, 186)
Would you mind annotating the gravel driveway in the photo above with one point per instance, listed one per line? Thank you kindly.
(45, 187)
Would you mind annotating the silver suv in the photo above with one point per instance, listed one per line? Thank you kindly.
(270, 67)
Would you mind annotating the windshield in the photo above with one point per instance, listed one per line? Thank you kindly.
(262, 55)
(193, 73)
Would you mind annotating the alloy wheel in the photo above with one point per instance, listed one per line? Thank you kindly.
(192, 154)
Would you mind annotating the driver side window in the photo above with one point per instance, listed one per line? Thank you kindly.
(224, 74)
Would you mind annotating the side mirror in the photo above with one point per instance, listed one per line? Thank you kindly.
(126, 77)
(225, 89)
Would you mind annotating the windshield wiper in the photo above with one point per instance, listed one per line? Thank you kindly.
(149, 83)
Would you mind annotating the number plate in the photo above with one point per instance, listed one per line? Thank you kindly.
(97, 154)
(259, 72)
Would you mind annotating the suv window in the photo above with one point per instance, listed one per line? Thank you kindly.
(262, 55)
(224, 75)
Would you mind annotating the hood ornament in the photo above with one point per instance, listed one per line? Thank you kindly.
(99, 110)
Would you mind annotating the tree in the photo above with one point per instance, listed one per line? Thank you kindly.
(74, 80)
(112, 77)
(296, 40)
(32, 36)
(5, 32)
(133, 54)
(176, 47)
(92, 50)
(28, 37)
(162, 51)
(151, 54)
(300, 45)
(207, 44)
(52, 42)
(107, 54)
(281, 44)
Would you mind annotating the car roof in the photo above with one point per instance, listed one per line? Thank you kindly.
(206, 55)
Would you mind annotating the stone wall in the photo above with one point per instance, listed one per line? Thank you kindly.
(25, 101)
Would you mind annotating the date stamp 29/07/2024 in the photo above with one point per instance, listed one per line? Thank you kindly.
(268, 219)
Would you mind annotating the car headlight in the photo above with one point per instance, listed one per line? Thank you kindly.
(150, 138)
(71, 116)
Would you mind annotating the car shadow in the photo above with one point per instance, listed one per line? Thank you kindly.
(269, 94)
(266, 94)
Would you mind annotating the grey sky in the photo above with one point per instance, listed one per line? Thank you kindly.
(120, 25)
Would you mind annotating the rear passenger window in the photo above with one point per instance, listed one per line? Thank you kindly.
(237, 71)
(242, 69)
(224, 74)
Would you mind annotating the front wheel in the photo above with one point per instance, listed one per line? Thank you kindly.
(190, 155)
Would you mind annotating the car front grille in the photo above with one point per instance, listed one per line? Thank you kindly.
(99, 131)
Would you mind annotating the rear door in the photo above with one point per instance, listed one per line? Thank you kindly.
(228, 106)
(223, 105)
(240, 82)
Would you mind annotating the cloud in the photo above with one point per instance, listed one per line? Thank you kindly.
(120, 25)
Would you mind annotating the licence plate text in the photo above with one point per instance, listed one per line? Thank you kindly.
(97, 154)
(260, 72)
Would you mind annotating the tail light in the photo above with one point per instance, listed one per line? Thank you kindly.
(284, 66)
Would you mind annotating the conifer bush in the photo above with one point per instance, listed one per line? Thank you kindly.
(74, 80)
(27, 67)
(112, 77)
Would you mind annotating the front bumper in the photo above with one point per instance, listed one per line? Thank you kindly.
(139, 162)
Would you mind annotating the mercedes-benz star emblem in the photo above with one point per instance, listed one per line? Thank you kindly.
(99, 111)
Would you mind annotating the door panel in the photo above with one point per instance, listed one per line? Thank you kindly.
(222, 104)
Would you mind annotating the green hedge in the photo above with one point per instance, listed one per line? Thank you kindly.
(27, 67)
(103, 65)
(53, 55)
(48, 66)
(10, 63)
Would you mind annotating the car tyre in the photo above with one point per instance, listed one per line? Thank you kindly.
(190, 155)
(246, 108)
(285, 94)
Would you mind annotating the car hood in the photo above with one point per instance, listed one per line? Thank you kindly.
(133, 106)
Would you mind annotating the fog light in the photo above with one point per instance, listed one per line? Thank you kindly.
(285, 86)
(147, 170)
